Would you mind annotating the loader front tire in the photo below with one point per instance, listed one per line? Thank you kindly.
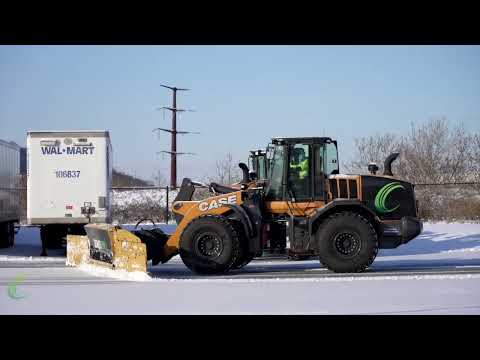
(210, 245)
(243, 261)
(347, 242)
(245, 256)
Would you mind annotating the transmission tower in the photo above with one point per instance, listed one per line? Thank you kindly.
(173, 131)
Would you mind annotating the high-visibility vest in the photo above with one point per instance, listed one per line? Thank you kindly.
(303, 168)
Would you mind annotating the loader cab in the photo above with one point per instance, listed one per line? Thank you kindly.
(298, 168)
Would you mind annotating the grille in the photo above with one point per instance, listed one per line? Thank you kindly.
(343, 188)
(352, 184)
(333, 188)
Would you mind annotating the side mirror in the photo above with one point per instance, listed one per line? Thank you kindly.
(253, 175)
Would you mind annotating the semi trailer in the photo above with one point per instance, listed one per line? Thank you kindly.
(9, 191)
(68, 183)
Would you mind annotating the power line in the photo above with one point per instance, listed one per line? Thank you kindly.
(455, 183)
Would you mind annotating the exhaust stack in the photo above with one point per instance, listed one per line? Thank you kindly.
(387, 167)
(246, 176)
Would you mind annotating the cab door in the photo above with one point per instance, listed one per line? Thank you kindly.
(297, 179)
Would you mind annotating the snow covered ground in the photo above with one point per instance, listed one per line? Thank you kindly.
(437, 273)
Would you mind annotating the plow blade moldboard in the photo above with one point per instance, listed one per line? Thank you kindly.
(107, 245)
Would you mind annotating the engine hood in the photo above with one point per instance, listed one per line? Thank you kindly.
(390, 198)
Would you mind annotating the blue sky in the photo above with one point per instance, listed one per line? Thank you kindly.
(243, 95)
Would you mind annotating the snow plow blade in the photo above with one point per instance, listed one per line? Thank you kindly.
(116, 248)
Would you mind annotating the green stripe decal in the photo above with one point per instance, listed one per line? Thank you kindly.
(382, 195)
(12, 287)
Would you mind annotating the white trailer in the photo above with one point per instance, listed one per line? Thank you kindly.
(9, 191)
(69, 175)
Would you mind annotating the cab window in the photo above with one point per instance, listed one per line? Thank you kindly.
(275, 189)
(299, 174)
(330, 159)
(319, 174)
(261, 173)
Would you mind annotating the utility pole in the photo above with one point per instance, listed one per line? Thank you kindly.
(173, 131)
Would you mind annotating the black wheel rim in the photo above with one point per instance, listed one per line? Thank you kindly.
(208, 245)
(347, 244)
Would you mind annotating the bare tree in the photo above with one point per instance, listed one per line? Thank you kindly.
(474, 173)
(432, 152)
(373, 149)
(226, 171)
(436, 153)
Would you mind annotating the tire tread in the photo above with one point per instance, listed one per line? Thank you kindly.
(324, 259)
(235, 239)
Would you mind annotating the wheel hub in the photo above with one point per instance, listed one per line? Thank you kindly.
(209, 245)
(347, 244)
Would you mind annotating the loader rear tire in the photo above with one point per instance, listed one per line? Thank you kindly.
(210, 245)
(347, 242)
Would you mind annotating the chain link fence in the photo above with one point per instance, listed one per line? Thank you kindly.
(132, 204)
(437, 202)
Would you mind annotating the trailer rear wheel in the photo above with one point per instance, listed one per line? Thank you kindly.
(52, 236)
(210, 245)
(347, 242)
(11, 234)
(7, 234)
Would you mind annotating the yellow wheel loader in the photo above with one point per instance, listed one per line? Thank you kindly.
(304, 203)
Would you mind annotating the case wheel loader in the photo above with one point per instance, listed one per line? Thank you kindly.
(304, 204)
